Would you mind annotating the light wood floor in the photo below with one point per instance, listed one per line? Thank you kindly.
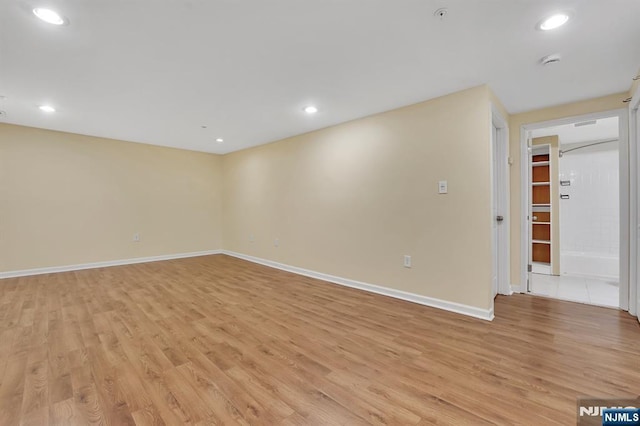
(220, 340)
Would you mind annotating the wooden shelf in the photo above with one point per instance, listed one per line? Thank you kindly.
(541, 164)
(541, 194)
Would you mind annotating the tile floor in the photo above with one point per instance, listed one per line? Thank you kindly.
(594, 291)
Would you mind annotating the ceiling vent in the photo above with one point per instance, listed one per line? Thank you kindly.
(550, 59)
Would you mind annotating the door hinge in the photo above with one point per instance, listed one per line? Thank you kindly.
(529, 268)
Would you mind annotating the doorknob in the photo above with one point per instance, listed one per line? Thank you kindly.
(499, 218)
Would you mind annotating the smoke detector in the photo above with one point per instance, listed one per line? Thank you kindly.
(441, 13)
(550, 59)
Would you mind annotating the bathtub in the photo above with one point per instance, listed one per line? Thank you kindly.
(600, 265)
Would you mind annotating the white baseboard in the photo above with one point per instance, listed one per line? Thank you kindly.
(515, 288)
(107, 263)
(485, 314)
(537, 268)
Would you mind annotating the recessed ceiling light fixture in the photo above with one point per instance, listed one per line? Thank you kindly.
(49, 16)
(47, 108)
(553, 21)
(310, 109)
(219, 140)
(550, 59)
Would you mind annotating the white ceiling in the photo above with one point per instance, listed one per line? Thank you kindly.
(603, 129)
(155, 71)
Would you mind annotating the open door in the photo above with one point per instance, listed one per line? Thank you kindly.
(500, 205)
(496, 213)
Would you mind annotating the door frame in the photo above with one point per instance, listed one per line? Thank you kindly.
(500, 150)
(626, 197)
(634, 173)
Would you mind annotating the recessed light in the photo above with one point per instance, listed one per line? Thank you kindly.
(310, 109)
(49, 16)
(47, 108)
(219, 140)
(553, 21)
(550, 59)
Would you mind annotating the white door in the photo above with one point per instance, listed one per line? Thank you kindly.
(498, 235)
(495, 211)
(529, 212)
(634, 144)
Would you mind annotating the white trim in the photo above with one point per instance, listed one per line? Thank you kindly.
(472, 311)
(634, 211)
(104, 264)
(524, 210)
(504, 201)
(537, 268)
(625, 196)
(625, 208)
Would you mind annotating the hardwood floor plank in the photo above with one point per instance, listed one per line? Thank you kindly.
(37, 417)
(12, 390)
(222, 408)
(36, 389)
(147, 416)
(217, 340)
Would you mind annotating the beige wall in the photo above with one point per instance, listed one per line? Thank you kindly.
(605, 103)
(68, 199)
(351, 200)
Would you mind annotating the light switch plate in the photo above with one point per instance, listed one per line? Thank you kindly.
(442, 187)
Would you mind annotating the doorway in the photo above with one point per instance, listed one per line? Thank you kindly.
(584, 201)
(577, 239)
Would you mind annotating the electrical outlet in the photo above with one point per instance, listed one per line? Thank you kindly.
(136, 237)
(251, 238)
(407, 261)
(276, 242)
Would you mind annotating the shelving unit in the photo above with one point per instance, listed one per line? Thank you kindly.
(541, 206)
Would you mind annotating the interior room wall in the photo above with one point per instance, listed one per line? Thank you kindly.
(69, 199)
(516, 121)
(353, 199)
